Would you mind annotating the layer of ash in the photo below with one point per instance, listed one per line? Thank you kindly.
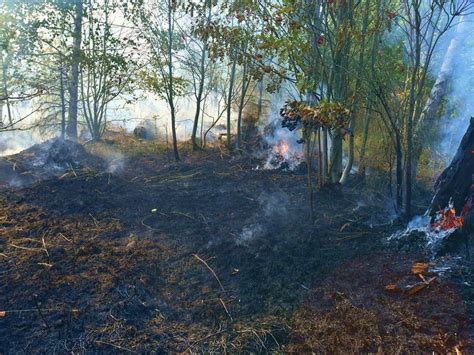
(52, 158)
(450, 212)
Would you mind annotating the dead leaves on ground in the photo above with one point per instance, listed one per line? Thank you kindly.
(419, 269)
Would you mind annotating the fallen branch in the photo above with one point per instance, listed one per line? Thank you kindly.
(210, 269)
(115, 346)
(26, 248)
(418, 287)
(225, 309)
(64, 237)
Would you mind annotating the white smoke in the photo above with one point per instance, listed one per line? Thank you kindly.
(274, 208)
(459, 105)
(283, 143)
(13, 142)
(116, 162)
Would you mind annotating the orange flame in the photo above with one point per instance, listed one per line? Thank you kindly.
(446, 219)
(281, 150)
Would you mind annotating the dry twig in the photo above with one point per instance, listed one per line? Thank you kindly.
(210, 269)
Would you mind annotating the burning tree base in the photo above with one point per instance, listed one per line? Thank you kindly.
(450, 217)
(454, 187)
(419, 236)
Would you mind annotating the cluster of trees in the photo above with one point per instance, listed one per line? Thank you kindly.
(71, 59)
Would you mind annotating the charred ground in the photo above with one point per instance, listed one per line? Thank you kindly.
(97, 261)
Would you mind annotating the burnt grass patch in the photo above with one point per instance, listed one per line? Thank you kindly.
(210, 255)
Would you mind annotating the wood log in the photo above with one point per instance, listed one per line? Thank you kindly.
(456, 181)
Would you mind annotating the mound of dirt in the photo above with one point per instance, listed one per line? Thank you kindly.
(53, 158)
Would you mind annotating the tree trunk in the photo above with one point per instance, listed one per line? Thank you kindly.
(71, 129)
(399, 172)
(170, 83)
(456, 180)
(6, 93)
(260, 100)
(368, 111)
(229, 101)
(202, 72)
(365, 136)
(411, 112)
(320, 161)
(63, 101)
(202, 122)
(350, 160)
(335, 167)
(340, 79)
(308, 156)
(324, 157)
(199, 98)
(355, 102)
(245, 85)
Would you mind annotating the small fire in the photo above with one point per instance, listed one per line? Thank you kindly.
(283, 156)
(447, 219)
(281, 150)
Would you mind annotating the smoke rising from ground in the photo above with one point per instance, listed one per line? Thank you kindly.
(272, 210)
(116, 162)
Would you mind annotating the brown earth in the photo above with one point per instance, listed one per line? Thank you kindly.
(211, 255)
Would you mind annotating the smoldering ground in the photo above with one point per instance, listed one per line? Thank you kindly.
(120, 266)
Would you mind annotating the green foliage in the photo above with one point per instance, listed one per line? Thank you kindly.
(159, 85)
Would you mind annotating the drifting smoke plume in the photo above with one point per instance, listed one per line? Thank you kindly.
(456, 58)
(15, 141)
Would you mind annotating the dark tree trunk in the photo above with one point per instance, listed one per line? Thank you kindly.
(6, 94)
(63, 100)
(456, 180)
(170, 84)
(202, 72)
(245, 86)
(229, 101)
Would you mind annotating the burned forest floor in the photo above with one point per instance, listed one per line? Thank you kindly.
(213, 255)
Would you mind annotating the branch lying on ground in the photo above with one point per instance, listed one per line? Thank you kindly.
(210, 269)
